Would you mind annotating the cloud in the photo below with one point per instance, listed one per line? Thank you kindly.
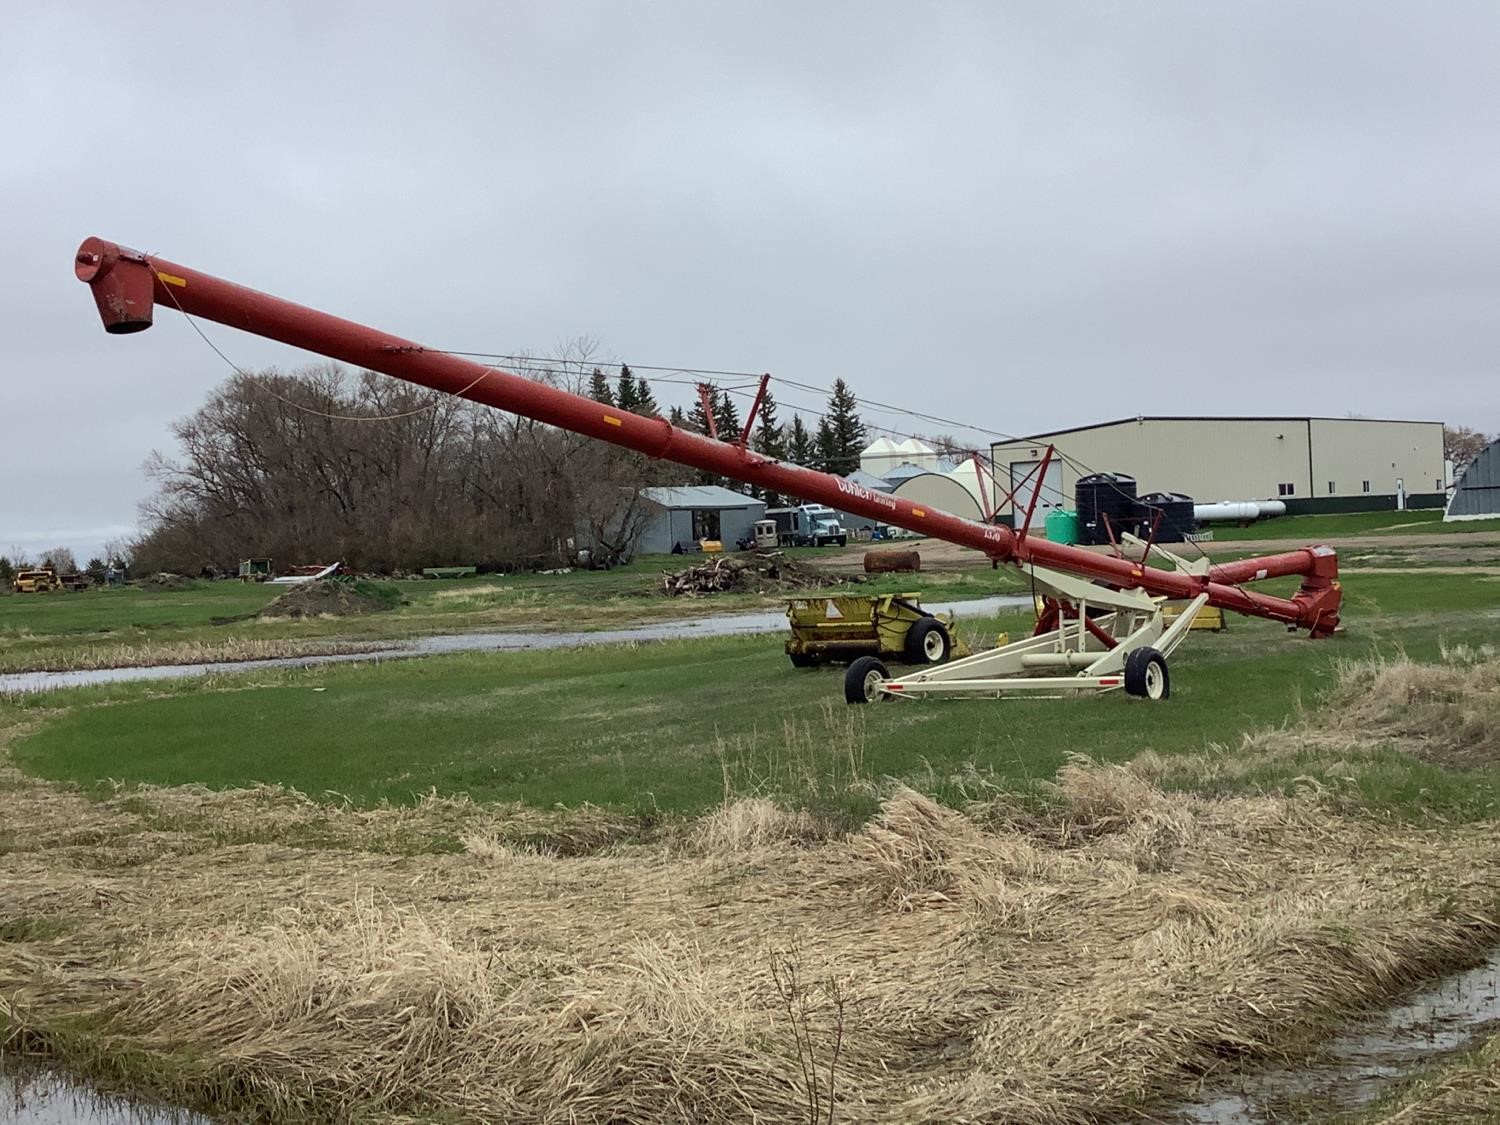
(1028, 216)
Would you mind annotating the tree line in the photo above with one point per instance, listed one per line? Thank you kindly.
(324, 464)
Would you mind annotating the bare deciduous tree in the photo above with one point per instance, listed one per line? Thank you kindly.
(1462, 444)
(324, 464)
(60, 560)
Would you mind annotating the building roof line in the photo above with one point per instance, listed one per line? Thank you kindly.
(1210, 418)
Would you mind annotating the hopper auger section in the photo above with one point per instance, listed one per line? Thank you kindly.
(127, 285)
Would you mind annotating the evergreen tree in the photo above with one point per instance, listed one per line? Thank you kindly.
(697, 419)
(846, 438)
(768, 438)
(769, 441)
(645, 401)
(678, 418)
(625, 390)
(95, 569)
(7, 573)
(727, 417)
(599, 389)
(825, 447)
(799, 443)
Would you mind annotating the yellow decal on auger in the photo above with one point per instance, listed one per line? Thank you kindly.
(612, 420)
(172, 279)
(919, 512)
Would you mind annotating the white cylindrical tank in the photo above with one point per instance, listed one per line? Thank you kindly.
(1236, 511)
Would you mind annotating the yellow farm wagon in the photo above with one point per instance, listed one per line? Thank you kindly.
(843, 627)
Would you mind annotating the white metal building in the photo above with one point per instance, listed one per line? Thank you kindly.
(1313, 464)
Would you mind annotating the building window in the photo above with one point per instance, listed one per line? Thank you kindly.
(1286, 490)
(1367, 485)
(1437, 484)
(1331, 488)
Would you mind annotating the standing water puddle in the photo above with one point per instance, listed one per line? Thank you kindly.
(728, 625)
(44, 1098)
(1353, 1069)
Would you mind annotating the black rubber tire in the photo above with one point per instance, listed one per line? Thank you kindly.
(1146, 675)
(843, 540)
(860, 677)
(802, 660)
(928, 642)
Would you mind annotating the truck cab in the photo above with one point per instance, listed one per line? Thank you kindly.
(808, 525)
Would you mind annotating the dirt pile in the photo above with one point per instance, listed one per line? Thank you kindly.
(758, 572)
(332, 597)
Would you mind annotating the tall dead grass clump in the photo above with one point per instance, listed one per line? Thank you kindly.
(752, 824)
(1147, 827)
(1447, 711)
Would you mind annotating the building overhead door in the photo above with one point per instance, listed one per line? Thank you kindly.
(1025, 482)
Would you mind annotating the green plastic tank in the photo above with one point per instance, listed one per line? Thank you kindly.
(1062, 527)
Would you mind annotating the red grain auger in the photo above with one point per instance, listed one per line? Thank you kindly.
(1101, 629)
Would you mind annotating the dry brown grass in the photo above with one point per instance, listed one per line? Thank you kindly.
(1446, 712)
(936, 965)
(152, 655)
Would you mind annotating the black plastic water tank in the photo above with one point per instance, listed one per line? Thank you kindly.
(1177, 521)
(1100, 497)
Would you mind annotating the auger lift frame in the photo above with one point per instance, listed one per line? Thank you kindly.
(1072, 652)
(1123, 647)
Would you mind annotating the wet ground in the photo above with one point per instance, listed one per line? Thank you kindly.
(43, 1098)
(727, 625)
(1359, 1065)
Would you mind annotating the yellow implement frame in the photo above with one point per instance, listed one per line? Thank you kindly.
(845, 626)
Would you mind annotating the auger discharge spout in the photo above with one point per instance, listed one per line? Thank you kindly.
(128, 285)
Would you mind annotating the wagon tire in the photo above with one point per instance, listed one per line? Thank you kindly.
(863, 679)
(1146, 675)
(928, 642)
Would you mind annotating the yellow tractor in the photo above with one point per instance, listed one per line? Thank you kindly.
(35, 582)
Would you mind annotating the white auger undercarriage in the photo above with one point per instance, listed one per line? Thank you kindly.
(1103, 640)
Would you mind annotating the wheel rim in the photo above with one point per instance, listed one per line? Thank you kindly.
(1155, 681)
(932, 646)
(872, 684)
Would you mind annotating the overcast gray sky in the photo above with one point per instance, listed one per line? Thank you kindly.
(1027, 216)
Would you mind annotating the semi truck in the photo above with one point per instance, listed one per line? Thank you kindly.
(808, 525)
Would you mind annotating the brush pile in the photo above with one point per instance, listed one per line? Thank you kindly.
(330, 597)
(761, 572)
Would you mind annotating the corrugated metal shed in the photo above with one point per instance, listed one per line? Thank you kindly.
(700, 497)
(1477, 496)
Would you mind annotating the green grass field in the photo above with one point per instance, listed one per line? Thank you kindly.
(373, 922)
(1343, 526)
(107, 627)
(674, 726)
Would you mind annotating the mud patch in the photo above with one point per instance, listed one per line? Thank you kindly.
(1358, 1066)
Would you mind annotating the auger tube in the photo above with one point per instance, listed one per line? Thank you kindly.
(127, 285)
